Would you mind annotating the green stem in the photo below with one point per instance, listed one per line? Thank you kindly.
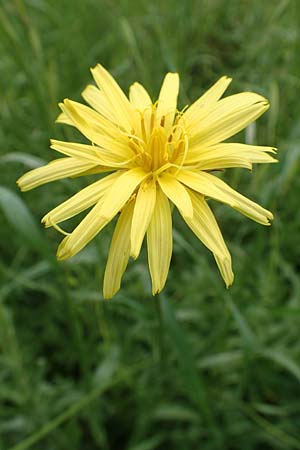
(160, 332)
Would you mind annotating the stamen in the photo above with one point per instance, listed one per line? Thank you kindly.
(135, 137)
(144, 134)
(120, 164)
(57, 227)
(137, 147)
(181, 112)
(169, 149)
(186, 147)
(152, 117)
(177, 127)
(162, 169)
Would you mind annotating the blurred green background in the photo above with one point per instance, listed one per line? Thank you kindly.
(203, 368)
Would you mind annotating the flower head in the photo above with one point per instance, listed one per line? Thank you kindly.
(156, 156)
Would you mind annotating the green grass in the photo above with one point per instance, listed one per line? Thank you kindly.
(201, 367)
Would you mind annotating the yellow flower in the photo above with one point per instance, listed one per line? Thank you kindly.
(157, 157)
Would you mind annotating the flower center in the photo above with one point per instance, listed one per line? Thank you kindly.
(157, 147)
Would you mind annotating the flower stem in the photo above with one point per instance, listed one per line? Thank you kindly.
(160, 332)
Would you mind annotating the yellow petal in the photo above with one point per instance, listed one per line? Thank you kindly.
(143, 210)
(93, 171)
(167, 101)
(229, 116)
(205, 226)
(118, 253)
(80, 151)
(64, 118)
(90, 123)
(221, 156)
(223, 162)
(97, 100)
(225, 269)
(84, 199)
(114, 95)
(55, 170)
(139, 97)
(121, 191)
(116, 156)
(204, 104)
(88, 228)
(211, 186)
(159, 242)
(177, 193)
